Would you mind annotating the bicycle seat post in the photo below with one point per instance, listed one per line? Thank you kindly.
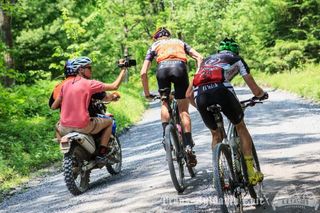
(215, 109)
(218, 119)
(165, 96)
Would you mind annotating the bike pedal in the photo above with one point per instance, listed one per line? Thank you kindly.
(226, 187)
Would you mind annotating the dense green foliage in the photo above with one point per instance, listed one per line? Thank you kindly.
(275, 37)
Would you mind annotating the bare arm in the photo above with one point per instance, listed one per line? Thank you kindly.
(255, 89)
(144, 77)
(190, 96)
(56, 104)
(197, 56)
(112, 97)
(115, 85)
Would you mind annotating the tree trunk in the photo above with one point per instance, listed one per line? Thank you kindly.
(6, 37)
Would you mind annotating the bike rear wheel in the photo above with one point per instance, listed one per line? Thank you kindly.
(117, 155)
(223, 179)
(76, 179)
(175, 161)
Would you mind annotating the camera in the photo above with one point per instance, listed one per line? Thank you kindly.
(128, 62)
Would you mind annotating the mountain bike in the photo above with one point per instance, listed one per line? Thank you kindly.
(174, 139)
(229, 168)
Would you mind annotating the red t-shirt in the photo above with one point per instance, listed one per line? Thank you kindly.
(76, 95)
(57, 88)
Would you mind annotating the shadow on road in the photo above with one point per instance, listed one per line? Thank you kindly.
(144, 185)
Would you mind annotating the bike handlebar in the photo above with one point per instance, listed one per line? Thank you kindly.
(250, 102)
(244, 104)
(97, 101)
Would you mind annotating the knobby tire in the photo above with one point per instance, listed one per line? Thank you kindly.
(172, 149)
(116, 167)
(72, 163)
(221, 153)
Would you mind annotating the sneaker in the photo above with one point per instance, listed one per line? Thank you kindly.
(102, 159)
(253, 176)
(191, 157)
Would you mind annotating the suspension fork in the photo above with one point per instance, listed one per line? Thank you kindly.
(234, 148)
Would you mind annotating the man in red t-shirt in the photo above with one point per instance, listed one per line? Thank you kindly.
(74, 100)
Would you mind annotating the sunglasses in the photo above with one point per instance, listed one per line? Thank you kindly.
(87, 67)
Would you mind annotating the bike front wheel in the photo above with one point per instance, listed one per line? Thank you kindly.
(174, 158)
(117, 156)
(223, 179)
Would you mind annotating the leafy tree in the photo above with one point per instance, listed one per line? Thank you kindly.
(7, 77)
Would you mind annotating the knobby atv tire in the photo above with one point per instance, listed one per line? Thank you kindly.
(116, 168)
(75, 154)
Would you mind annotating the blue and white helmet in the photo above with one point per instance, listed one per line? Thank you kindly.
(80, 62)
(68, 69)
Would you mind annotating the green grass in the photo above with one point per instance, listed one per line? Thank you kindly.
(303, 81)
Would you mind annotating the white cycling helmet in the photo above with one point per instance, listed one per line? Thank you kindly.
(80, 62)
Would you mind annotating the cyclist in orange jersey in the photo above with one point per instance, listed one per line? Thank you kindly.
(171, 57)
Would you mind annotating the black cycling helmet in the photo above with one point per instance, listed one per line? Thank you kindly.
(160, 32)
(229, 44)
(68, 69)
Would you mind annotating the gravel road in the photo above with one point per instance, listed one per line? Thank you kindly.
(286, 133)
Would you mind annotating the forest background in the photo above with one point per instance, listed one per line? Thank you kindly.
(279, 40)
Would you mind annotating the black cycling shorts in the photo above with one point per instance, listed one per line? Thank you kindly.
(230, 106)
(173, 72)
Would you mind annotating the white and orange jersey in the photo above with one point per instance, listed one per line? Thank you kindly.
(168, 49)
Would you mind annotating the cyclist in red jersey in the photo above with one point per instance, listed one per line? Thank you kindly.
(171, 57)
(211, 85)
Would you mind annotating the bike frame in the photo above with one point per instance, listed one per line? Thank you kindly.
(175, 129)
(229, 139)
(174, 115)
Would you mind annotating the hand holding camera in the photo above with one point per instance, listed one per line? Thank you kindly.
(115, 96)
(127, 62)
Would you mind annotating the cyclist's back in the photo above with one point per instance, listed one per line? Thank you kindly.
(167, 48)
(218, 69)
(211, 85)
(171, 56)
